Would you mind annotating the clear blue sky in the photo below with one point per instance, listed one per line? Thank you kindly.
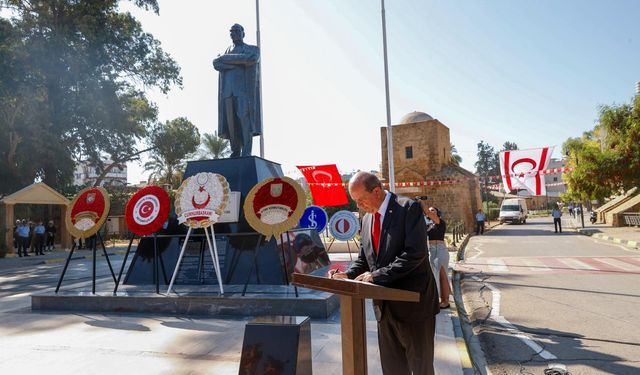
(530, 72)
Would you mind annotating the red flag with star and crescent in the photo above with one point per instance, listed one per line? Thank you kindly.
(325, 184)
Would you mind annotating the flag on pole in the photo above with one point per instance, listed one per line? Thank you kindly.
(521, 169)
(325, 184)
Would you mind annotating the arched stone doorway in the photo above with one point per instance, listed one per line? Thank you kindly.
(36, 194)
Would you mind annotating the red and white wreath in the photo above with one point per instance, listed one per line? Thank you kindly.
(147, 210)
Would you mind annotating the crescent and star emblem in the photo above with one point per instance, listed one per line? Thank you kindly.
(317, 173)
(200, 205)
(146, 209)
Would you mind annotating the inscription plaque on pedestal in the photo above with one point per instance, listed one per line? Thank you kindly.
(197, 266)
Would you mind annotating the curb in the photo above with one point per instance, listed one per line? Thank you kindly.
(628, 243)
(463, 322)
(632, 244)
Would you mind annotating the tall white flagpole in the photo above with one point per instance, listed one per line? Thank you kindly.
(260, 75)
(392, 179)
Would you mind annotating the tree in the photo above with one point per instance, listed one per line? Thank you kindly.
(79, 68)
(173, 141)
(508, 146)
(487, 165)
(455, 157)
(589, 177)
(214, 147)
(606, 160)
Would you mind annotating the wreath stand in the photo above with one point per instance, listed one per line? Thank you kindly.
(156, 256)
(254, 264)
(93, 248)
(213, 250)
(333, 239)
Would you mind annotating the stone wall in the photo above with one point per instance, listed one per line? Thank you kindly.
(459, 196)
(429, 141)
(458, 202)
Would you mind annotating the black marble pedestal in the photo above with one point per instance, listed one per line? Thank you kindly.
(280, 344)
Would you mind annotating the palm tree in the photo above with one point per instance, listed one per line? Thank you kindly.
(214, 147)
(455, 158)
(164, 172)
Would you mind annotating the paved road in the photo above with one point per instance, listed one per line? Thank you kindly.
(542, 299)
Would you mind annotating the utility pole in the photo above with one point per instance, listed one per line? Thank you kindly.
(260, 75)
(392, 179)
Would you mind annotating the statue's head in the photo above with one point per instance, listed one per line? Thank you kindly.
(237, 33)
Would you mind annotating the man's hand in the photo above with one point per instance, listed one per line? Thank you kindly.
(366, 277)
(336, 274)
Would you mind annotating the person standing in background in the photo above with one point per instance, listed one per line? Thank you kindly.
(23, 238)
(51, 235)
(557, 221)
(32, 237)
(439, 254)
(15, 236)
(480, 218)
(39, 231)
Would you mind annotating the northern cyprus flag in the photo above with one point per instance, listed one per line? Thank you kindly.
(520, 169)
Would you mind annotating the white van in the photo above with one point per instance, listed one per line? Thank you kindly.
(513, 210)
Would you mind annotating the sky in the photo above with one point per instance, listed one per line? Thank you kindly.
(530, 72)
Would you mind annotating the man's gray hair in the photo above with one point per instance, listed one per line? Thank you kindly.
(368, 180)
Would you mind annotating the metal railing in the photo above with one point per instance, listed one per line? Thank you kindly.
(458, 233)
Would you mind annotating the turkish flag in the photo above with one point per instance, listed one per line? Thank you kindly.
(521, 169)
(325, 184)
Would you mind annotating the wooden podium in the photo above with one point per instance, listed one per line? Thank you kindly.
(352, 295)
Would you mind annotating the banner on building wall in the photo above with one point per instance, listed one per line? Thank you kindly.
(520, 169)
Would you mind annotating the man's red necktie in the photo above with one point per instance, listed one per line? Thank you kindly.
(375, 232)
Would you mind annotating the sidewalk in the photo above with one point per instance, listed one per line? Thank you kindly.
(626, 236)
(58, 255)
(103, 343)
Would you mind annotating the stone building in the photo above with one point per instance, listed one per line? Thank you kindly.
(422, 156)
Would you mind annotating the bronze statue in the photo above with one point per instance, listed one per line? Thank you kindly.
(239, 118)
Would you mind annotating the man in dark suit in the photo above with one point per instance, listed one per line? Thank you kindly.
(393, 253)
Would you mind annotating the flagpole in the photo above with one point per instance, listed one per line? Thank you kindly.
(260, 75)
(392, 180)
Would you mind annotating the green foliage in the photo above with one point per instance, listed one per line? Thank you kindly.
(507, 146)
(174, 141)
(70, 79)
(487, 164)
(606, 160)
(214, 147)
(455, 157)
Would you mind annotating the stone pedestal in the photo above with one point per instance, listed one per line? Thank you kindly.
(279, 343)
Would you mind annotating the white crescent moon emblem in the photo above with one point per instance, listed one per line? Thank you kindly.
(145, 209)
(314, 175)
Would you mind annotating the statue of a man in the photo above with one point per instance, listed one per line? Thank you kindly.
(239, 117)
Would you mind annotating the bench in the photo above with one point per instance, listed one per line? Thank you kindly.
(632, 218)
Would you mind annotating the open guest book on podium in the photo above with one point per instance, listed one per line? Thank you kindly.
(358, 289)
